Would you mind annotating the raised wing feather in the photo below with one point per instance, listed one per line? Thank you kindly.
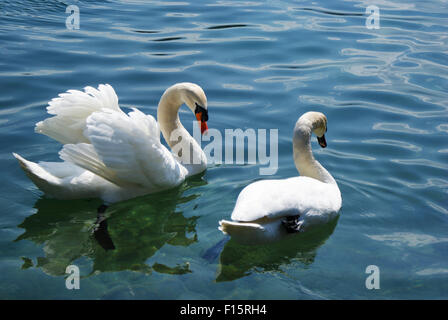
(128, 151)
(72, 108)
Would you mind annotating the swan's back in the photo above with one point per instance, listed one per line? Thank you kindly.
(272, 199)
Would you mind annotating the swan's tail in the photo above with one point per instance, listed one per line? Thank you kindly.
(254, 232)
(234, 227)
(59, 179)
(44, 180)
(244, 232)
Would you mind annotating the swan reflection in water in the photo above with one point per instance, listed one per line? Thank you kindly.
(238, 260)
(124, 238)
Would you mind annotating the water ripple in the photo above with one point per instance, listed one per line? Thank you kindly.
(227, 26)
(430, 182)
(421, 162)
(407, 239)
(399, 127)
(432, 271)
(394, 143)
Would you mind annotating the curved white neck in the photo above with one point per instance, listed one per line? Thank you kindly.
(303, 155)
(174, 133)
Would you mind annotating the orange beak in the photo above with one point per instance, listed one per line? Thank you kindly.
(202, 124)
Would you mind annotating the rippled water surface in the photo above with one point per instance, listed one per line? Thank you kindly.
(384, 91)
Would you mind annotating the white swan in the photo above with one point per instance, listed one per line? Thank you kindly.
(116, 156)
(267, 210)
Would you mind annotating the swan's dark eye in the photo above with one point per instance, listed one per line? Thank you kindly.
(204, 112)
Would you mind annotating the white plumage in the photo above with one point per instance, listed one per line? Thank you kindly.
(72, 108)
(110, 154)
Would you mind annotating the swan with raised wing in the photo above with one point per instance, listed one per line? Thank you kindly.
(268, 210)
(115, 156)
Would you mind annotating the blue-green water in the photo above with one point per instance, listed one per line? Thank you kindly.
(384, 91)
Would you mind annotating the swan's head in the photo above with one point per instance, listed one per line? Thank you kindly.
(319, 128)
(194, 97)
(317, 122)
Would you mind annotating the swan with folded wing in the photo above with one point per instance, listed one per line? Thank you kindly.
(268, 210)
(115, 156)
